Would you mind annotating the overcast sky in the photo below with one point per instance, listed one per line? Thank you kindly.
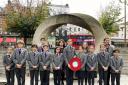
(91, 7)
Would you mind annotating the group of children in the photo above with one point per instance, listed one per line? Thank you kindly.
(106, 62)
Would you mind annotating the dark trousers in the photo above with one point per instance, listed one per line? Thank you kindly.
(63, 73)
(20, 74)
(103, 76)
(44, 77)
(90, 81)
(80, 81)
(91, 76)
(115, 76)
(108, 76)
(62, 77)
(10, 77)
(57, 77)
(69, 76)
(86, 79)
(34, 75)
(80, 75)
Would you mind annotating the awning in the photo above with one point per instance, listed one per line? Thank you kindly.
(119, 40)
(10, 40)
(1, 40)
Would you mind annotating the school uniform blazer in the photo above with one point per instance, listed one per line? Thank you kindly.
(57, 61)
(116, 64)
(91, 62)
(20, 57)
(103, 59)
(33, 60)
(45, 60)
(110, 49)
(68, 53)
(83, 58)
(8, 61)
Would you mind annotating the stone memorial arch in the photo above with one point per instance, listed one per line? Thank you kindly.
(82, 20)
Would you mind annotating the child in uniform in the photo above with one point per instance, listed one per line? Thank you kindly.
(116, 67)
(33, 61)
(68, 54)
(91, 65)
(57, 62)
(9, 66)
(19, 58)
(81, 73)
(45, 61)
(103, 64)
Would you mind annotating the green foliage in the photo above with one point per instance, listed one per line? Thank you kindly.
(26, 21)
(109, 18)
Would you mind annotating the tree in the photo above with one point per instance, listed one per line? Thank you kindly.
(109, 18)
(25, 19)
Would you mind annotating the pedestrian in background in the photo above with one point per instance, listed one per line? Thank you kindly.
(40, 45)
(61, 44)
(85, 47)
(109, 49)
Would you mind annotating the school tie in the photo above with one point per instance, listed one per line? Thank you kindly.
(103, 54)
(116, 61)
(92, 56)
(107, 49)
(9, 56)
(34, 53)
(57, 54)
(71, 48)
(19, 51)
(45, 54)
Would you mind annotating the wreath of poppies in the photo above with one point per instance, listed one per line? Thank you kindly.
(75, 64)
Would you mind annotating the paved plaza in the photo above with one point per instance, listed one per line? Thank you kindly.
(124, 80)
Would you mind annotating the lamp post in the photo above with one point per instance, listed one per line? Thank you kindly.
(125, 28)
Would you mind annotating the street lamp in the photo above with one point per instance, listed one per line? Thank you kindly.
(125, 31)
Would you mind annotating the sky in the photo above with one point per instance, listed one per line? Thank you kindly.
(91, 7)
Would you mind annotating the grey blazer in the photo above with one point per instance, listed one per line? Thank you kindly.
(68, 53)
(91, 62)
(57, 60)
(103, 59)
(8, 61)
(19, 57)
(116, 64)
(33, 60)
(83, 58)
(110, 49)
(45, 60)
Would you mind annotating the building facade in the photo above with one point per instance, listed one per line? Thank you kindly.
(119, 38)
